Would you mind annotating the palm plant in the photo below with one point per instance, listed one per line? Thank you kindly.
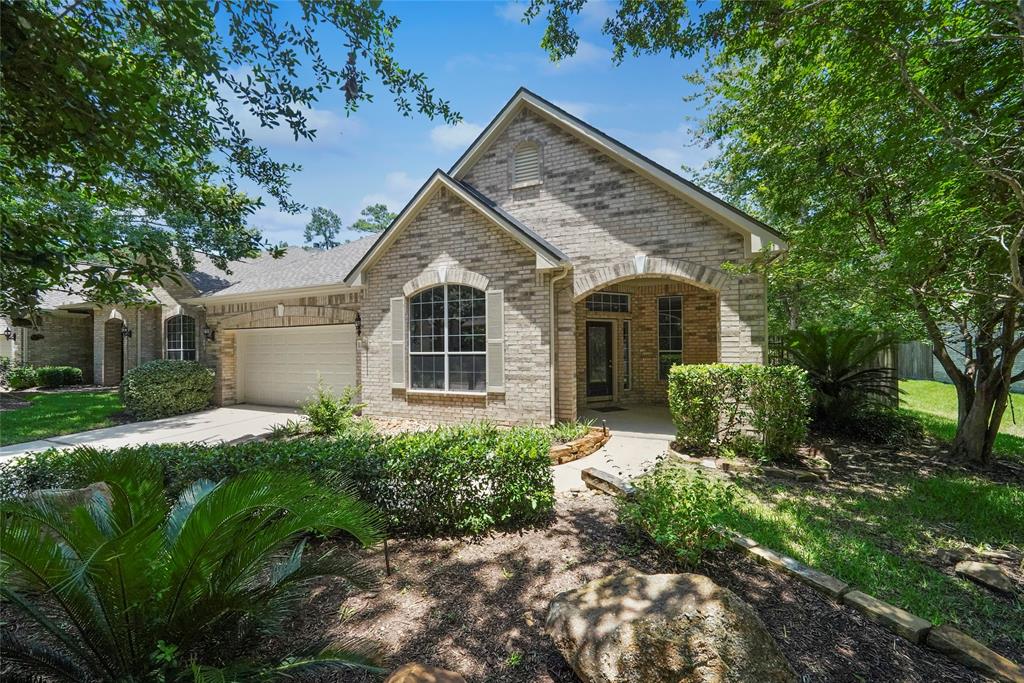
(126, 586)
(839, 364)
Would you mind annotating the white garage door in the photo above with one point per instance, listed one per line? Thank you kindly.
(280, 367)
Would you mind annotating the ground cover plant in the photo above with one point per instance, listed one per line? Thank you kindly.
(453, 480)
(127, 584)
(566, 431)
(163, 388)
(53, 414)
(934, 404)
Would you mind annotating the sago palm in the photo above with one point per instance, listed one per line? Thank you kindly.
(127, 586)
(838, 363)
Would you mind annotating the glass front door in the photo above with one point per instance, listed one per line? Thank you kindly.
(599, 358)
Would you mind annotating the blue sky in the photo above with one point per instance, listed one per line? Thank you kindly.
(475, 54)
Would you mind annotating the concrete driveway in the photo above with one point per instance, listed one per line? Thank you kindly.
(639, 435)
(207, 426)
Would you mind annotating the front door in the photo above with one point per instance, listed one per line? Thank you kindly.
(599, 358)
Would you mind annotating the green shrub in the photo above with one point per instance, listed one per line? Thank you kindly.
(778, 400)
(704, 403)
(53, 376)
(679, 508)
(328, 414)
(21, 377)
(876, 424)
(133, 585)
(564, 432)
(6, 365)
(453, 480)
(714, 407)
(162, 388)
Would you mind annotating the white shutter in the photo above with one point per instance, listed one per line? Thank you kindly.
(398, 343)
(527, 164)
(496, 341)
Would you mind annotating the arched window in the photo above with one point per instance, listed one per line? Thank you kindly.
(526, 164)
(181, 337)
(448, 339)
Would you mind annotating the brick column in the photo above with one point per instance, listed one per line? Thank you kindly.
(99, 319)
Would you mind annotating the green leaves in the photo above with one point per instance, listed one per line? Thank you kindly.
(121, 148)
(137, 584)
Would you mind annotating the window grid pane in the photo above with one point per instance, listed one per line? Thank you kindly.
(448, 339)
(670, 333)
(180, 331)
(608, 302)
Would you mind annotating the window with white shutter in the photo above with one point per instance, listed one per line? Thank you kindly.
(526, 164)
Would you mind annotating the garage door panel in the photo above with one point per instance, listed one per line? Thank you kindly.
(281, 366)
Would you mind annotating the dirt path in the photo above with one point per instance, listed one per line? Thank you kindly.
(478, 607)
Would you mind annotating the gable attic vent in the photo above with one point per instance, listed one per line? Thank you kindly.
(526, 165)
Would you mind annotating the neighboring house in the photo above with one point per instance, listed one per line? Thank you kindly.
(549, 269)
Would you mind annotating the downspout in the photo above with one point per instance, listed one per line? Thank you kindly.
(554, 337)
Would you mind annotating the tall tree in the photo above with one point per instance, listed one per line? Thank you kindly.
(121, 142)
(374, 218)
(323, 228)
(885, 139)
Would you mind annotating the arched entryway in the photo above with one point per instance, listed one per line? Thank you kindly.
(113, 352)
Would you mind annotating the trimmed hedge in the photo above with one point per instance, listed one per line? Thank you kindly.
(711, 405)
(162, 388)
(52, 376)
(454, 480)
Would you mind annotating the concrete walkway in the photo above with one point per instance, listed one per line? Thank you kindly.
(639, 435)
(208, 426)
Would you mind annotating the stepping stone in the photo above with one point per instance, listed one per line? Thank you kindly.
(988, 575)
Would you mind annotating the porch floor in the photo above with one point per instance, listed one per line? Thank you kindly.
(639, 435)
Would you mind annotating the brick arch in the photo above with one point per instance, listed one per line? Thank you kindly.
(445, 275)
(286, 316)
(590, 280)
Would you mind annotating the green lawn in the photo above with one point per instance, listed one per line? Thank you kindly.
(935, 404)
(59, 413)
(878, 538)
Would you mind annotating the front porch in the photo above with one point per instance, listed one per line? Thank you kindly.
(630, 333)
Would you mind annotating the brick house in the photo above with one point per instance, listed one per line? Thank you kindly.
(549, 269)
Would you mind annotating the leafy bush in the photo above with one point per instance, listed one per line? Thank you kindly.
(704, 403)
(876, 424)
(679, 508)
(162, 388)
(53, 376)
(453, 480)
(122, 584)
(837, 362)
(329, 414)
(712, 407)
(564, 432)
(21, 377)
(6, 365)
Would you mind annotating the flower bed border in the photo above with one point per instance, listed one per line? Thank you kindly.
(943, 638)
(734, 467)
(581, 447)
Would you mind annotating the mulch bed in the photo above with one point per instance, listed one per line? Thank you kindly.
(478, 606)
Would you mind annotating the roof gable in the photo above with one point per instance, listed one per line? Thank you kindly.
(725, 212)
(548, 256)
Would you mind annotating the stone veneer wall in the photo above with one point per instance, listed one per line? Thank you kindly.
(221, 354)
(700, 336)
(449, 233)
(600, 212)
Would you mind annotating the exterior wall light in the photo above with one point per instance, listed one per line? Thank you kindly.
(10, 335)
(126, 332)
(209, 334)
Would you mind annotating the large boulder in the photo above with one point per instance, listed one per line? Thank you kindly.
(648, 628)
(414, 672)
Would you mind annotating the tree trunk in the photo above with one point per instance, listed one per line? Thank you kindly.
(970, 442)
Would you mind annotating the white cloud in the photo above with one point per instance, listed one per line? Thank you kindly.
(397, 190)
(594, 13)
(587, 54)
(580, 109)
(278, 226)
(511, 11)
(460, 135)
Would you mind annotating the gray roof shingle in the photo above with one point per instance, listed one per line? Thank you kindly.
(299, 267)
